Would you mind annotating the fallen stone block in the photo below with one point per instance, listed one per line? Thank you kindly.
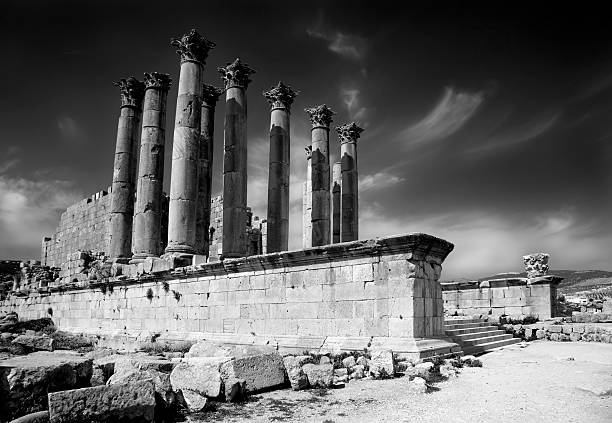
(164, 393)
(259, 372)
(26, 380)
(321, 375)
(141, 362)
(358, 372)
(418, 384)
(123, 402)
(38, 417)
(214, 349)
(381, 363)
(193, 401)
(297, 377)
(35, 342)
(200, 375)
(349, 362)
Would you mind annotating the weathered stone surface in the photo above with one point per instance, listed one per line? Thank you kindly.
(418, 384)
(358, 372)
(321, 375)
(349, 362)
(163, 388)
(536, 264)
(259, 372)
(35, 342)
(38, 417)
(201, 375)
(142, 362)
(26, 380)
(297, 377)
(214, 349)
(362, 361)
(381, 363)
(111, 403)
(235, 389)
(194, 401)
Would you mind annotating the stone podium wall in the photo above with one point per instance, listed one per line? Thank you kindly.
(511, 297)
(385, 289)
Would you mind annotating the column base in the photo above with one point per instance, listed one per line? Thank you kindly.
(180, 248)
(141, 257)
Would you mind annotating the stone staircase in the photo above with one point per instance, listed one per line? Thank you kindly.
(476, 336)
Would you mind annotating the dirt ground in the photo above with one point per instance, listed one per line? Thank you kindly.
(543, 382)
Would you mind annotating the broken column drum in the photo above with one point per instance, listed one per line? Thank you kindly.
(336, 201)
(193, 50)
(307, 202)
(280, 98)
(348, 135)
(210, 96)
(236, 79)
(148, 208)
(320, 118)
(124, 173)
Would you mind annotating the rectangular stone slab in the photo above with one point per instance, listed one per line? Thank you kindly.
(125, 402)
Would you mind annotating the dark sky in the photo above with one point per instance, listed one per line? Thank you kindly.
(489, 126)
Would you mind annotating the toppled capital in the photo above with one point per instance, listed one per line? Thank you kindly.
(320, 115)
(308, 150)
(192, 47)
(349, 132)
(236, 74)
(157, 80)
(281, 96)
(536, 264)
(132, 92)
(210, 94)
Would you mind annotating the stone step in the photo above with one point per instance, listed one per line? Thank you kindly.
(476, 335)
(490, 346)
(484, 340)
(460, 331)
(465, 325)
(452, 321)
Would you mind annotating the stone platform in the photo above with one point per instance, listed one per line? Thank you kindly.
(381, 293)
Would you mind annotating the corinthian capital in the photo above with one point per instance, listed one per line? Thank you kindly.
(132, 92)
(236, 74)
(320, 115)
(157, 80)
(349, 132)
(192, 47)
(210, 94)
(281, 96)
(536, 264)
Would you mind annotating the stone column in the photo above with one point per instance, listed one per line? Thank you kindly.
(307, 202)
(210, 97)
(124, 174)
(349, 134)
(336, 201)
(280, 98)
(193, 49)
(236, 78)
(320, 117)
(148, 209)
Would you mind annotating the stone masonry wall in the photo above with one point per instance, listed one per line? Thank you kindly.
(509, 297)
(386, 288)
(83, 226)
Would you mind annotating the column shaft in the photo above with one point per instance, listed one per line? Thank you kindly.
(320, 187)
(185, 156)
(124, 175)
(148, 208)
(307, 202)
(349, 214)
(336, 201)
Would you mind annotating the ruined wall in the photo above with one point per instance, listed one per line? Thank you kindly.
(83, 226)
(385, 288)
(497, 297)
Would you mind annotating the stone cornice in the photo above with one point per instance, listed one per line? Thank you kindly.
(500, 283)
(192, 47)
(281, 96)
(132, 92)
(210, 95)
(320, 116)
(236, 74)
(160, 81)
(349, 132)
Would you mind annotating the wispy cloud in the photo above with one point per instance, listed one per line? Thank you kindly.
(69, 128)
(449, 115)
(379, 180)
(350, 99)
(349, 46)
(8, 164)
(516, 135)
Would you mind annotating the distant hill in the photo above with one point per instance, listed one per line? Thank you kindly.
(573, 280)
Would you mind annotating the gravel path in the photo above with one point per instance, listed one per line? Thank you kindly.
(544, 382)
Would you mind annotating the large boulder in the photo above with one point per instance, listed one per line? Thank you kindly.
(262, 371)
(26, 380)
(214, 349)
(297, 377)
(321, 375)
(38, 417)
(197, 378)
(164, 395)
(35, 342)
(381, 363)
(122, 402)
